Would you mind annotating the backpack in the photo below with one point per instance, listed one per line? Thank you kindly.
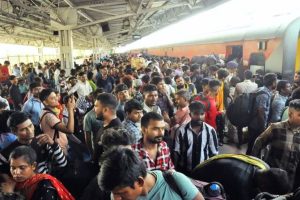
(203, 99)
(210, 191)
(241, 111)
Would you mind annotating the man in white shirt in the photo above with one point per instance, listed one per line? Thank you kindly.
(247, 86)
(150, 94)
(82, 87)
(56, 75)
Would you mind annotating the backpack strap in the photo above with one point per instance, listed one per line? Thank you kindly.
(168, 176)
(56, 132)
(207, 142)
(186, 145)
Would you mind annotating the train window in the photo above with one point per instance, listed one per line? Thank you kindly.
(262, 45)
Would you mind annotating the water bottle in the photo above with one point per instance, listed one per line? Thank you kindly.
(213, 190)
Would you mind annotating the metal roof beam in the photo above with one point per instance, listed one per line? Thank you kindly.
(89, 5)
(101, 11)
(82, 13)
(116, 33)
(104, 20)
(140, 7)
(28, 9)
(131, 14)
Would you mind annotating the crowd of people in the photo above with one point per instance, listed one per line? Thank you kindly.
(112, 130)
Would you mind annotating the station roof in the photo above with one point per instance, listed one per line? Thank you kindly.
(113, 23)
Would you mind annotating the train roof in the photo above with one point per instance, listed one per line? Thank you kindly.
(228, 22)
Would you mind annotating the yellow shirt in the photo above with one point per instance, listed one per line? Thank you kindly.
(220, 98)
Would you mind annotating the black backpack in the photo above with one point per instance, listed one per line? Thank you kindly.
(241, 111)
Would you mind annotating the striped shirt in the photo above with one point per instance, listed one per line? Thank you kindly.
(193, 148)
(284, 143)
(58, 159)
(48, 156)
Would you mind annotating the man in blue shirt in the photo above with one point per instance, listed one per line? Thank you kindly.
(122, 94)
(33, 106)
(261, 110)
(134, 114)
(284, 89)
(105, 81)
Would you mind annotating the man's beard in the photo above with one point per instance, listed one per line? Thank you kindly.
(196, 123)
(150, 104)
(100, 117)
(156, 140)
(297, 82)
(179, 87)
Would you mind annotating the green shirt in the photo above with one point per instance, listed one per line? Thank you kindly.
(92, 124)
(161, 189)
(285, 115)
(93, 85)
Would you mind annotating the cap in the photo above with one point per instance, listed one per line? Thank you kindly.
(231, 65)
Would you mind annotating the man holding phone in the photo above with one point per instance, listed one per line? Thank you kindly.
(48, 151)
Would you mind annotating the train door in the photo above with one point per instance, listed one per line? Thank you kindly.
(297, 63)
(257, 61)
(234, 52)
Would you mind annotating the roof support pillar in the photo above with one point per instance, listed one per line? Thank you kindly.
(96, 52)
(66, 50)
(69, 18)
(41, 52)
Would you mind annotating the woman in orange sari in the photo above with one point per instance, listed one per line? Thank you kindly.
(34, 186)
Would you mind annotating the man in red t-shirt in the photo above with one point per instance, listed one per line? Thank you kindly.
(212, 112)
(4, 71)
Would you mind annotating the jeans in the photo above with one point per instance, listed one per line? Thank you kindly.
(253, 134)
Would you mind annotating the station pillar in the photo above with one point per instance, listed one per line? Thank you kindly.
(95, 50)
(69, 18)
(66, 50)
(41, 53)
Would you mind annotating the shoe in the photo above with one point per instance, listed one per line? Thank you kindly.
(221, 144)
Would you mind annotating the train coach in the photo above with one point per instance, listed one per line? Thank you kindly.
(275, 47)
